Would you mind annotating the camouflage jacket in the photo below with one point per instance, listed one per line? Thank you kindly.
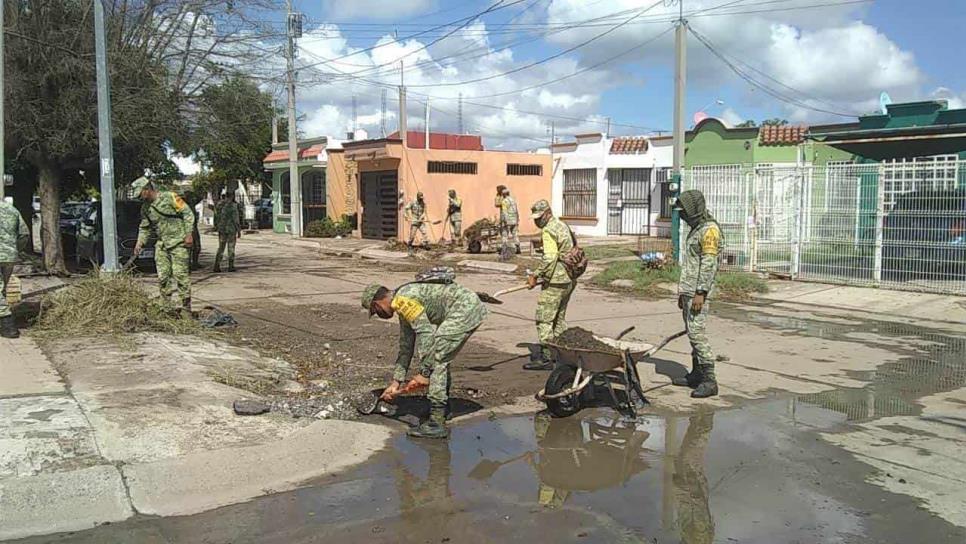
(455, 209)
(14, 233)
(427, 310)
(227, 219)
(170, 217)
(702, 249)
(557, 239)
(416, 212)
(509, 214)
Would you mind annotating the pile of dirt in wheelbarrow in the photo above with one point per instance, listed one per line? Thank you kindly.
(473, 231)
(578, 338)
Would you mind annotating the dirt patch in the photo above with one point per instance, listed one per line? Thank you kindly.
(340, 355)
(578, 338)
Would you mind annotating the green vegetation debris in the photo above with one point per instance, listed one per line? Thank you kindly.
(598, 252)
(732, 286)
(103, 304)
(327, 228)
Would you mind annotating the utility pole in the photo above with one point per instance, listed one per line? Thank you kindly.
(427, 123)
(459, 115)
(403, 126)
(295, 185)
(355, 116)
(104, 142)
(385, 107)
(680, 82)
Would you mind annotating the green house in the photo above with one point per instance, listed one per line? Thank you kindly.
(312, 162)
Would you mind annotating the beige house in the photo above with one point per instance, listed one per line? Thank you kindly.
(374, 179)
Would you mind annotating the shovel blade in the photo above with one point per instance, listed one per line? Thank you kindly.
(488, 298)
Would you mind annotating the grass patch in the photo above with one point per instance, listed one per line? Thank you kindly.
(102, 304)
(608, 251)
(648, 282)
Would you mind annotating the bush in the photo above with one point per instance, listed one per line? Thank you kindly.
(327, 228)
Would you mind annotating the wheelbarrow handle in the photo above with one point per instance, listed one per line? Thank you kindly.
(664, 342)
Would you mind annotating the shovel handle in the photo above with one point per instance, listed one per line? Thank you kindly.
(510, 290)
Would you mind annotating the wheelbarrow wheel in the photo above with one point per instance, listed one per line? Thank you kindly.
(561, 378)
(475, 246)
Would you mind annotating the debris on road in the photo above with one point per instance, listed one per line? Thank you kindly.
(248, 407)
(108, 304)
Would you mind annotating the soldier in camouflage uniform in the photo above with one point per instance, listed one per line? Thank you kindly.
(509, 219)
(228, 225)
(696, 287)
(167, 214)
(416, 215)
(14, 236)
(556, 285)
(455, 213)
(435, 321)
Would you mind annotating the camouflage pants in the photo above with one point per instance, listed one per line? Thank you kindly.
(418, 227)
(6, 270)
(509, 234)
(696, 325)
(552, 314)
(226, 245)
(456, 226)
(445, 348)
(690, 483)
(173, 270)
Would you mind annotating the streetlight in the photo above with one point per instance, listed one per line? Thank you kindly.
(716, 101)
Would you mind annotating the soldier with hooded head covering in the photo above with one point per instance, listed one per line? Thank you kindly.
(701, 252)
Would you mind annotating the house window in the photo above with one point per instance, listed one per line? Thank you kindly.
(580, 193)
(664, 182)
(524, 169)
(286, 194)
(451, 167)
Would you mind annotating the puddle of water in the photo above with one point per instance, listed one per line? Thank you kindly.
(757, 474)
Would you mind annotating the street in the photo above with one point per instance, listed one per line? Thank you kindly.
(839, 420)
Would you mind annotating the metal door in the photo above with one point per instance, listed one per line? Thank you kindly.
(380, 194)
(629, 201)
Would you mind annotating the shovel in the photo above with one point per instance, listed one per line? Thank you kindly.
(493, 299)
(486, 468)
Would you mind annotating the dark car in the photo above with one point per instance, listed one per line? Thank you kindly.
(90, 243)
(263, 213)
(71, 216)
(924, 236)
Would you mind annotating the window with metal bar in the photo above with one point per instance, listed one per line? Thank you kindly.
(524, 169)
(451, 167)
(286, 194)
(580, 193)
(664, 181)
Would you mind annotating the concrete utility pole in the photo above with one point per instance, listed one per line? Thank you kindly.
(295, 185)
(104, 142)
(427, 123)
(680, 82)
(403, 127)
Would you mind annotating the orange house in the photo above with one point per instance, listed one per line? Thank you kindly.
(374, 179)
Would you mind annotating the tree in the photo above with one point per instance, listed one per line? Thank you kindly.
(162, 55)
(747, 124)
(234, 131)
(774, 121)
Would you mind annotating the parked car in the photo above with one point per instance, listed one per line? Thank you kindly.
(263, 213)
(924, 236)
(71, 217)
(90, 243)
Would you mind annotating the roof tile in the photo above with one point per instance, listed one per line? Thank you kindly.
(633, 145)
(782, 134)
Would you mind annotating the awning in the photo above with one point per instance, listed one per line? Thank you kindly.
(898, 143)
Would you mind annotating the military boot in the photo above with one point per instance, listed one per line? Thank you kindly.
(545, 362)
(8, 327)
(231, 266)
(217, 268)
(434, 427)
(691, 379)
(708, 386)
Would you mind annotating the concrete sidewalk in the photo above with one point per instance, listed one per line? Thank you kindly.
(146, 431)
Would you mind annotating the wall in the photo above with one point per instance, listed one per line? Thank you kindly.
(712, 143)
(476, 191)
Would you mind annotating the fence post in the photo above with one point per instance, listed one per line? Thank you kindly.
(799, 217)
(753, 201)
(879, 220)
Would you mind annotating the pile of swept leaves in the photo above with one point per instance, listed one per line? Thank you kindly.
(108, 304)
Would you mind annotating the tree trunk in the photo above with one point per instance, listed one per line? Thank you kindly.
(24, 185)
(49, 190)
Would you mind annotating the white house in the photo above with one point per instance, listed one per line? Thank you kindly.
(613, 186)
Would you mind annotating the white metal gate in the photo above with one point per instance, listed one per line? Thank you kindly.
(898, 225)
(629, 200)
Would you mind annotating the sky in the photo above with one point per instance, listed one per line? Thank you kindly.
(584, 65)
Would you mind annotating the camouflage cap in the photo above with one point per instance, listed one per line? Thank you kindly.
(368, 295)
(539, 208)
(140, 184)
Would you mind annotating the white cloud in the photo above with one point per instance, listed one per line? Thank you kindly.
(954, 101)
(730, 117)
(377, 9)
